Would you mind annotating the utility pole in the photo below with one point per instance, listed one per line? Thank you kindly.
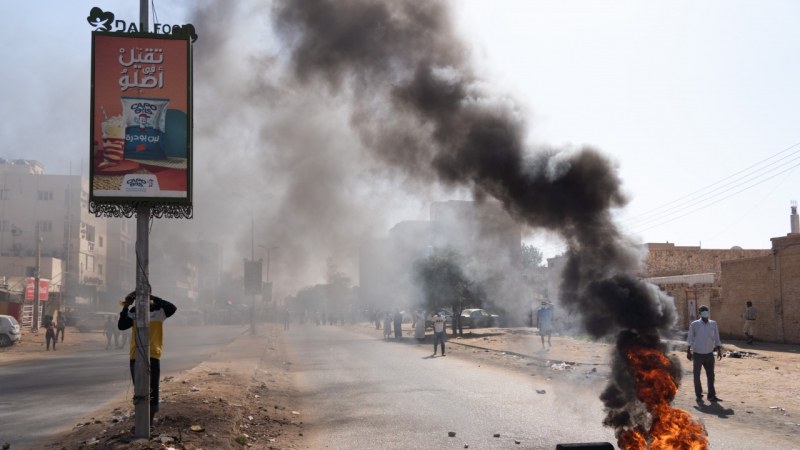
(36, 304)
(141, 369)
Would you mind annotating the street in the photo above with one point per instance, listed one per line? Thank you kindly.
(365, 393)
(359, 391)
(38, 398)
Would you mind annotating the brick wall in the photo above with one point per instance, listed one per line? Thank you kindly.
(668, 260)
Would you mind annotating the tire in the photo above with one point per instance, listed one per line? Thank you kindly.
(5, 341)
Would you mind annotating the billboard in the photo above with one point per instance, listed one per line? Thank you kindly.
(44, 289)
(141, 119)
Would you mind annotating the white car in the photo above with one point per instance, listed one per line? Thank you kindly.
(9, 330)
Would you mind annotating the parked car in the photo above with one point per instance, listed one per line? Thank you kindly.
(448, 317)
(478, 318)
(9, 330)
(95, 321)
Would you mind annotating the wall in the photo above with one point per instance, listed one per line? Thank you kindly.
(667, 259)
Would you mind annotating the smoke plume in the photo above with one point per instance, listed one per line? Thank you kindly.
(418, 107)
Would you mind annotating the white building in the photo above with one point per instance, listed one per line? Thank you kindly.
(53, 208)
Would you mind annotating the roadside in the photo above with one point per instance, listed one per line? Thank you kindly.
(244, 394)
(241, 396)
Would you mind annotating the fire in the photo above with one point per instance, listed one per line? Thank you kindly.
(671, 428)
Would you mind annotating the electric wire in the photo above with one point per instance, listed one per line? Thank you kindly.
(740, 181)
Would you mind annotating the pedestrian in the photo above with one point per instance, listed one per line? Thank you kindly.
(419, 330)
(286, 318)
(387, 325)
(544, 320)
(61, 326)
(50, 335)
(703, 340)
(439, 325)
(110, 331)
(398, 324)
(160, 310)
(750, 315)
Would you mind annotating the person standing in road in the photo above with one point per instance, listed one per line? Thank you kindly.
(61, 326)
(387, 326)
(750, 315)
(110, 331)
(160, 310)
(703, 340)
(50, 335)
(439, 325)
(419, 330)
(544, 320)
(398, 324)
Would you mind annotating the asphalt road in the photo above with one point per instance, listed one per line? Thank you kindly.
(362, 392)
(39, 398)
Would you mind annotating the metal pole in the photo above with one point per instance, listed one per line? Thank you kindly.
(141, 369)
(36, 304)
(252, 258)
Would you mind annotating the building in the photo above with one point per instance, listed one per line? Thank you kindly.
(772, 283)
(54, 209)
(483, 233)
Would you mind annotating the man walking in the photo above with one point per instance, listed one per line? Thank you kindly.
(750, 315)
(439, 324)
(544, 320)
(703, 340)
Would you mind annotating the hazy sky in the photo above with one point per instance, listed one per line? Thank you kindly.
(680, 94)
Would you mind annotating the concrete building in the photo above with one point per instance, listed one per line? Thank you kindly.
(53, 208)
(483, 233)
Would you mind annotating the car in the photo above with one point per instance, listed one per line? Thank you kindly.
(95, 321)
(478, 318)
(448, 317)
(9, 330)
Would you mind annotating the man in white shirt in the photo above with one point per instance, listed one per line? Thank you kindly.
(438, 332)
(703, 340)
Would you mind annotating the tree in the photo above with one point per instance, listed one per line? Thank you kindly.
(531, 256)
(444, 283)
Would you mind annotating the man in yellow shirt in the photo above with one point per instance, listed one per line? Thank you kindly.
(160, 309)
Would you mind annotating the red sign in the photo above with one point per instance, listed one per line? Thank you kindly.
(44, 289)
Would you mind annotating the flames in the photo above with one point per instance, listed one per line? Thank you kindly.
(671, 428)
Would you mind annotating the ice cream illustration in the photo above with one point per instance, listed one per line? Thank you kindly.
(113, 129)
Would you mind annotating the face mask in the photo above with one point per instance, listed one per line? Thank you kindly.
(705, 314)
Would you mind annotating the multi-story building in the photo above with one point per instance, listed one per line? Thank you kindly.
(482, 233)
(54, 210)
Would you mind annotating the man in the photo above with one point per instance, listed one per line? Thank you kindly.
(544, 320)
(160, 309)
(439, 323)
(61, 326)
(703, 340)
(750, 315)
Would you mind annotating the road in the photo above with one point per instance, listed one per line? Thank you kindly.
(41, 397)
(359, 391)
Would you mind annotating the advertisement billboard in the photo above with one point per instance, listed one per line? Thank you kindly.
(141, 119)
(44, 289)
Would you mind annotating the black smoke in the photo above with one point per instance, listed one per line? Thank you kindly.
(418, 106)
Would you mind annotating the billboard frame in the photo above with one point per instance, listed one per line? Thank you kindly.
(127, 205)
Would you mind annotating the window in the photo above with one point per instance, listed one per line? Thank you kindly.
(99, 269)
(89, 233)
(89, 263)
(45, 226)
(100, 241)
(4, 225)
(44, 195)
(5, 194)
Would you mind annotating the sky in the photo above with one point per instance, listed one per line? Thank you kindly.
(695, 102)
